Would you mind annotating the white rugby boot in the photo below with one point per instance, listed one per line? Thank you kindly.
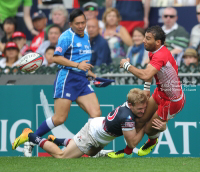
(28, 149)
(102, 153)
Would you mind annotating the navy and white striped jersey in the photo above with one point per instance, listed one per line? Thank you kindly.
(74, 48)
(120, 119)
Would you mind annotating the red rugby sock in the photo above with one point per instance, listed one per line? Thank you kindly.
(128, 150)
(152, 141)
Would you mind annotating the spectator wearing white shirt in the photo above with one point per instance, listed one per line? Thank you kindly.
(195, 34)
(53, 35)
(49, 56)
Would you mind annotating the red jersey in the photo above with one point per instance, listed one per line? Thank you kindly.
(24, 49)
(167, 80)
(37, 41)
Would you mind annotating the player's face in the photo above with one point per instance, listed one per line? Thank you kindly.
(78, 25)
(138, 109)
(149, 42)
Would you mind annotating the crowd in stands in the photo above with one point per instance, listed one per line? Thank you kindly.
(111, 38)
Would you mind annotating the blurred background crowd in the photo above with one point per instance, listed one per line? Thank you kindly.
(116, 29)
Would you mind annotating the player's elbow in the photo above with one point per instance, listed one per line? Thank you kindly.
(146, 77)
(54, 59)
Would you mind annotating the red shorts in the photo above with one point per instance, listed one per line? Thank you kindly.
(167, 109)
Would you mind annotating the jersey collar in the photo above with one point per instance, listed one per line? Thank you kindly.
(157, 49)
(76, 33)
(126, 104)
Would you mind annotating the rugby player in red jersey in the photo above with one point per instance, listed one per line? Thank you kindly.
(168, 98)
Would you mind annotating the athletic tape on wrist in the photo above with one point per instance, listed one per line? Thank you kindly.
(147, 86)
(126, 65)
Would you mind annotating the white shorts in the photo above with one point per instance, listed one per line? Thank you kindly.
(84, 140)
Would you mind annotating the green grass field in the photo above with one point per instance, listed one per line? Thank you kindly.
(48, 164)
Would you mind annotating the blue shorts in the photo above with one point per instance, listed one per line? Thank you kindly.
(70, 85)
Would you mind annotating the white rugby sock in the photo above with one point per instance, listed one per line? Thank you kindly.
(154, 136)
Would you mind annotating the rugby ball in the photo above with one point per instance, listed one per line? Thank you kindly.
(30, 62)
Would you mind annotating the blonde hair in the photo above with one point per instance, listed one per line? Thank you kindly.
(109, 10)
(136, 96)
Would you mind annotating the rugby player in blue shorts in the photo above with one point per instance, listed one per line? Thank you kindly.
(98, 132)
(72, 54)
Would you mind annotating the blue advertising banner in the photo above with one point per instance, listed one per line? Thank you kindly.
(29, 106)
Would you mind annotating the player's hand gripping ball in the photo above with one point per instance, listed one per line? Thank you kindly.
(30, 62)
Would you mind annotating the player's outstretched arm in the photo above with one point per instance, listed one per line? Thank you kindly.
(144, 74)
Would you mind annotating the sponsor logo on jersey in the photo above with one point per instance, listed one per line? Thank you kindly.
(86, 47)
(59, 49)
(129, 124)
(79, 44)
(68, 94)
(129, 117)
(79, 138)
(85, 52)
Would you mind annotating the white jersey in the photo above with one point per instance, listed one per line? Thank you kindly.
(98, 133)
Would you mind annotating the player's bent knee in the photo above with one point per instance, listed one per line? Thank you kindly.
(58, 121)
(149, 130)
(59, 155)
(96, 113)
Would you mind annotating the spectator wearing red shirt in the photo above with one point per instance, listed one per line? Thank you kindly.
(133, 12)
(39, 22)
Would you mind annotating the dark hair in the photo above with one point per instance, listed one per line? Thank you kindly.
(139, 29)
(10, 20)
(158, 33)
(50, 48)
(75, 13)
(57, 26)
